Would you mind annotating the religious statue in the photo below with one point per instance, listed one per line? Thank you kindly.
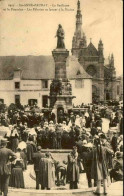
(60, 35)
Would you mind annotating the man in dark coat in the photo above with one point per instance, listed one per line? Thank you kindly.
(36, 159)
(114, 142)
(51, 117)
(94, 131)
(87, 162)
(77, 132)
(5, 166)
(65, 140)
(60, 116)
(59, 136)
(79, 145)
(31, 148)
(45, 138)
(39, 138)
(73, 169)
(72, 137)
(88, 121)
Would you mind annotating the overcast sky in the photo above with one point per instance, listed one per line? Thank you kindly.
(32, 32)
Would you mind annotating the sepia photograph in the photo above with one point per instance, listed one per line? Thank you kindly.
(61, 97)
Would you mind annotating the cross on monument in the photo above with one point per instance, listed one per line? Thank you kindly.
(90, 40)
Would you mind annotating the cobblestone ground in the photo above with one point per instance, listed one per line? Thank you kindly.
(29, 177)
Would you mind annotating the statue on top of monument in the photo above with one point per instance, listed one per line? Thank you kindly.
(60, 35)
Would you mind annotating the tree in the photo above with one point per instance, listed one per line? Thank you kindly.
(15, 107)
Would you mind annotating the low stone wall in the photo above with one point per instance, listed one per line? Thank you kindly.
(58, 154)
(56, 150)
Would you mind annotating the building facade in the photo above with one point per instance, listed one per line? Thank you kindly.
(27, 79)
(105, 85)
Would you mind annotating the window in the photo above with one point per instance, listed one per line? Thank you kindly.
(32, 102)
(118, 90)
(44, 83)
(78, 72)
(17, 99)
(45, 101)
(78, 83)
(91, 70)
(17, 73)
(17, 85)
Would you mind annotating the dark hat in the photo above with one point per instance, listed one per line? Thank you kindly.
(47, 154)
(119, 154)
(79, 137)
(102, 136)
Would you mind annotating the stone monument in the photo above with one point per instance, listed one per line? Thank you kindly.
(60, 89)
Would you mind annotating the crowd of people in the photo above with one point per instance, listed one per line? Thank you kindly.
(24, 135)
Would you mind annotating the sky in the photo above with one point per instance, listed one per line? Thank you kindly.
(33, 32)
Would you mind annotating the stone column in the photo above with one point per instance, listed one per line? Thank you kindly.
(101, 91)
(60, 56)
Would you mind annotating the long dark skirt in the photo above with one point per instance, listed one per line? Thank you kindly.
(14, 143)
(17, 178)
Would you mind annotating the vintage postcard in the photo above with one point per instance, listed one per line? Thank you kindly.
(61, 97)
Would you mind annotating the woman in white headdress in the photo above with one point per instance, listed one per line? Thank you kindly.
(82, 121)
(14, 138)
(78, 121)
(86, 114)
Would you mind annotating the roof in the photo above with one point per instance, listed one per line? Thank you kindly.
(33, 67)
(37, 67)
(92, 51)
(75, 70)
(89, 51)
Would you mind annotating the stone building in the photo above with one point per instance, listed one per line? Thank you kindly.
(105, 85)
(27, 79)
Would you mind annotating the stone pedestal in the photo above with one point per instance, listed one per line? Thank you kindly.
(60, 56)
(60, 89)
